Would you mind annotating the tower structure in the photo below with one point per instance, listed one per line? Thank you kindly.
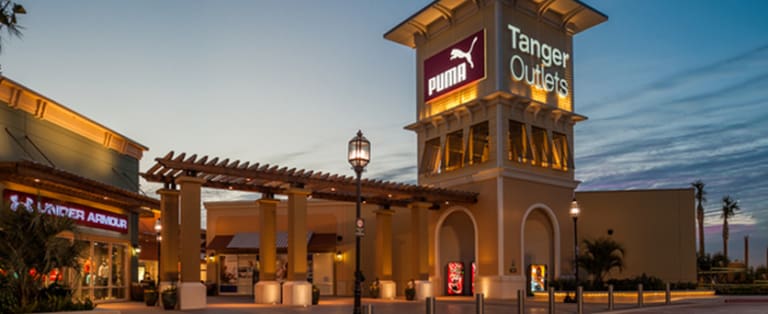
(495, 115)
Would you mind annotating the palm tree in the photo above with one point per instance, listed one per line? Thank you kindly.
(729, 210)
(601, 256)
(701, 197)
(8, 12)
(30, 248)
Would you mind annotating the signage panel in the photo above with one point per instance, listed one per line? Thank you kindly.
(455, 278)
(454, 67)
(83, 215)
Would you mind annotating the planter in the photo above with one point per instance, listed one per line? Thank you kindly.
(410, 294)
(315, 295)
(169, 299)
(150, 297)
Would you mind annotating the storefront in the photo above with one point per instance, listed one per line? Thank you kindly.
(59, 162)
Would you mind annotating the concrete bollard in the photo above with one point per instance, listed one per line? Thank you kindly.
(430, 305)
(580, 300)
(479, 303)
(520, 302)
(668, 295)
(640, 295)
(610, 297)
(551, 300)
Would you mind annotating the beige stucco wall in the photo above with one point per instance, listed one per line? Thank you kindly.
(656, 227)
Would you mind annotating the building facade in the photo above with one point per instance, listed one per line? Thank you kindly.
(62, 163)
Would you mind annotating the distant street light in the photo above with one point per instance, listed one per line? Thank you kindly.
(575, 211)
(158, 227)
(359, 154)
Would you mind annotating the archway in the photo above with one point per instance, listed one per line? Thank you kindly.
(540, 247)
(456, 247)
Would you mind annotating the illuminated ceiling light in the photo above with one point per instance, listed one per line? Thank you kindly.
(447, 203)
(389, 195)
(333, 189)
(230, 187)
(37, 180)
(106, 198)
(365, 202)
(248, 179)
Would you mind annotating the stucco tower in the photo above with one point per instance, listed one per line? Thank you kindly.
(495, 115)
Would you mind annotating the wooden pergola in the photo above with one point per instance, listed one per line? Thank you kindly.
(272, 179)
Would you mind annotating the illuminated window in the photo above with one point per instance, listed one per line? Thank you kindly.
(478, 143)
(562, 153)
(430, 161)
(454, 150)
(519, 150)
(542, 151)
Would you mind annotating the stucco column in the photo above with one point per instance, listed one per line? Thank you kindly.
(419, 249)
(296, 290)
(383, 260)
(169, 246)
(191, 291)
(267, 290)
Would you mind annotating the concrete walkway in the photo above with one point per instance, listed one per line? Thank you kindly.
(452, 305)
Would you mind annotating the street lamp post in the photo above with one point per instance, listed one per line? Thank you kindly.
(575, 211)
(359, 155)
(158, 227)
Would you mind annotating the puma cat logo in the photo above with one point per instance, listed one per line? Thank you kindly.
(456, 53)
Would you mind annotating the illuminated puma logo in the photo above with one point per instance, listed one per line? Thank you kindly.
(456, 53)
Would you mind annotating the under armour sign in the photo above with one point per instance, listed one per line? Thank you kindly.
(456, 66)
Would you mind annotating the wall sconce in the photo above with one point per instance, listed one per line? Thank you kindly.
(137, 250)
(513, 268)
(339, 256)
(211, 258)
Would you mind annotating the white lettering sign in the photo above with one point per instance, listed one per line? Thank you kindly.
(538, 75)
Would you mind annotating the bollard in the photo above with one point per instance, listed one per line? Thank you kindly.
(580, 300)
(368, 309)
(668, 295)
(479, 303)
(520, 302)
(640, 295)
(551, 300)
(610, 297)
(431, 305)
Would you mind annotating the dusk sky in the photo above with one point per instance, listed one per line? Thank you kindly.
(675, 91)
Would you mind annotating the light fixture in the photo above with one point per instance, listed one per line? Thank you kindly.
(158, 226)
(575, 211)
(137, 249)
(339, 256)
(211, 258)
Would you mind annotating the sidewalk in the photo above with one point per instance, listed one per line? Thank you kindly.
(444, 305)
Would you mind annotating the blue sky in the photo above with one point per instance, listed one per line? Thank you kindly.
(675, 90)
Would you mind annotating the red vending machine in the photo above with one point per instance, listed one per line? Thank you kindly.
(474, 272)
(455, 278)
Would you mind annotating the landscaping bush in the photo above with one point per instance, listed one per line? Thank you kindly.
(627, 284)
(741, 289)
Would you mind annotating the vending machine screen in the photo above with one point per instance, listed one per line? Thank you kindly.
(474, 272)
(538, 277)
(455, 278)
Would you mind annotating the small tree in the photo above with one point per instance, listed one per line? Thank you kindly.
(30, 248)
(602, 255)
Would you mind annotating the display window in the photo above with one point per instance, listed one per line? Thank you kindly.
(102, 274)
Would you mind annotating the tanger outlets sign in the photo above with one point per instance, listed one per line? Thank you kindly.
(537, 63)
(454, 67)
(82, 215)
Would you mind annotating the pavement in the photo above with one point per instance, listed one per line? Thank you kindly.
(453, 305)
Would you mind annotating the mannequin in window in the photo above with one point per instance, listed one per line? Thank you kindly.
(87, 271)
(103, 272)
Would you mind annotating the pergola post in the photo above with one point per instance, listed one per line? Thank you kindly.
(267, 290)
(296, 290)
(191, 291)
(383, 260)
(419, 250)
(169, 246)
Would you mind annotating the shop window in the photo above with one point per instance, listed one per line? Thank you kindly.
(454, 150)
(430, 160)
(561, 152)
(542, 150)
(479, 143)
(117, 276)
(519, 150)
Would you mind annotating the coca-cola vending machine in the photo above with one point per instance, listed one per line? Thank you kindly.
(474, 272)
(455, 278)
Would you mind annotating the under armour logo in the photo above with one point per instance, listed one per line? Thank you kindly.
(457, 53)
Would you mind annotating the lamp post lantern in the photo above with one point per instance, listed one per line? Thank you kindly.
(158, 227)
(575, 211)
(359, 154)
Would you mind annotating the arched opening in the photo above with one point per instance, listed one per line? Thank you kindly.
(540, 245)
(456, 248)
